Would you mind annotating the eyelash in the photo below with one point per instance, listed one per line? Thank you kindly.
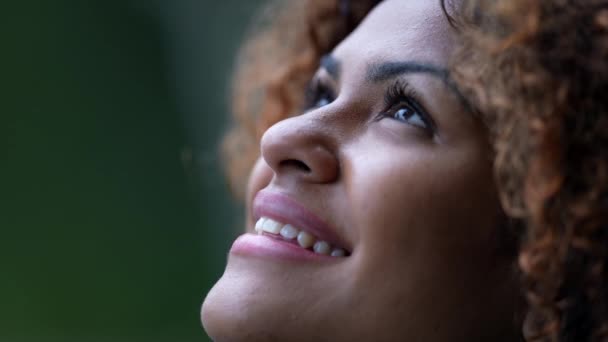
(399, 95)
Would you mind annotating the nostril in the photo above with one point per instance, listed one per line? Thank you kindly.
(296, 164)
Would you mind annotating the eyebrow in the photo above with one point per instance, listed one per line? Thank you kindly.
(384, 71)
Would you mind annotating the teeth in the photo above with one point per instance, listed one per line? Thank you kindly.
(305, 239)
(272, 226)
(259, 225)
(321, 247)
(338, 252)
(289, 232)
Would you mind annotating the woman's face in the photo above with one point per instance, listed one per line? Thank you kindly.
(390, 167)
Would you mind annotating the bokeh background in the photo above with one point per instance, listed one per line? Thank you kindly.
(114, 217)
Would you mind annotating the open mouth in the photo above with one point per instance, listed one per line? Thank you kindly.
(297, 236)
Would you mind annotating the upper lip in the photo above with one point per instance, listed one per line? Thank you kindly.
(286, 210)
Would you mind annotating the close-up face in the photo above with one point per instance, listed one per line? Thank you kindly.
(390, 173)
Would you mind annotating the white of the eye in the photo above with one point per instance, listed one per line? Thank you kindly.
(416, 120)
(322, 102)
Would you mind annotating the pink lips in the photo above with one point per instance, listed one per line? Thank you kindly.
(268, 247)
(284, 209)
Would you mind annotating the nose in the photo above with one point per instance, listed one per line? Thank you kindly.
(302, 149)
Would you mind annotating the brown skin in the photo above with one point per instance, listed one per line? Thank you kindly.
(418, 209)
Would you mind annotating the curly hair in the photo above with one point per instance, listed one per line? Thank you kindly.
(538, 71)
(537, 74)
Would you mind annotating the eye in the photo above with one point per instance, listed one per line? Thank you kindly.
(318, 95)
(323, 100)
(402, 105)
(410, 116)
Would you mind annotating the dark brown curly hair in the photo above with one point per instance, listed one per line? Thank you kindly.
(537, 74)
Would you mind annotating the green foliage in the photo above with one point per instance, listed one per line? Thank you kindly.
(108, 233)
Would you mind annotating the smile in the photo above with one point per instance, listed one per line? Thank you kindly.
(302, 238)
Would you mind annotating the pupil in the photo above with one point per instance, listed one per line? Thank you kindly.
(402, 113)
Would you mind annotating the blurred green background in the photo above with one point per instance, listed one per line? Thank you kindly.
(115, 219)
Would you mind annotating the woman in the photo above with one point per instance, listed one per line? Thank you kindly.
(375, 214)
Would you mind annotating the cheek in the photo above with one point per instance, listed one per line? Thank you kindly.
(420, 204)
(426, 222)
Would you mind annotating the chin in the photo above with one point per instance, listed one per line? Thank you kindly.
(211, 312)
(251, 304)
(232, 312)
(222, 315)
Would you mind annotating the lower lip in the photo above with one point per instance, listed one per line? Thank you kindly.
(267, 247)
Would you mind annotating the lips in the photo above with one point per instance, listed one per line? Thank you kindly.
(281, 217)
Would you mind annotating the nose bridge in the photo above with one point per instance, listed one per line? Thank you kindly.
(304, 148)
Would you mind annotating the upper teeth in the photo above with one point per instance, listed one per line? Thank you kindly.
(303, 238)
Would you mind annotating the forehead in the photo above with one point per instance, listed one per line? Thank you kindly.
(401, 30)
